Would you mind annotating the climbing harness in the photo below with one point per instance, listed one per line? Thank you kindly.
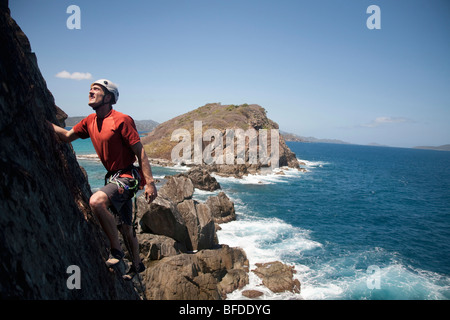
(112, 177)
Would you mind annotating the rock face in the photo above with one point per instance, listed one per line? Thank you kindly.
(47, 225)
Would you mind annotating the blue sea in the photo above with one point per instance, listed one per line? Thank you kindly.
(362, 223)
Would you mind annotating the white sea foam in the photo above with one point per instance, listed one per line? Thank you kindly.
(203, 195)
(92, 157)
(312, 164)
(281, 175)
(199, 192)
(265, 240)
(329, 278)
(339, 279)
(179, 167)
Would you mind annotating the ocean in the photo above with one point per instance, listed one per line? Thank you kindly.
(362, 223)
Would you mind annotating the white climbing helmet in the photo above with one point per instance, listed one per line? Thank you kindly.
(110, 86)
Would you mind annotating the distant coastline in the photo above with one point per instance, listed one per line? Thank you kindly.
(445, 147)
(296, 138)
(141, 125)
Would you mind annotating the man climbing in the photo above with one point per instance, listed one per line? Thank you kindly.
(117, 144)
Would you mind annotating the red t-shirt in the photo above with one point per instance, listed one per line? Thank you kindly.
(112, 138)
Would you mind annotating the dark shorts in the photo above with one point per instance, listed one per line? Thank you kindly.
(121, 202)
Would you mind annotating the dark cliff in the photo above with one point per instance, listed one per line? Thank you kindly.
(46, 223)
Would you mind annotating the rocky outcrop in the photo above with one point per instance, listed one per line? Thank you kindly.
(252, 294)
(201, 179)
(174, 214)
(155, 247)
(47, 225)
(159, 142)
(277, 276)
(222, 208)
(177, 189)
(161, 217)
(206, 275)
(186, 225)
(200, 224)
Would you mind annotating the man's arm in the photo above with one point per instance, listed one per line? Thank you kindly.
(150, 188)
(63, 134)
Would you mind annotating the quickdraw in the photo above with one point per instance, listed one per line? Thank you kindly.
(122, 186)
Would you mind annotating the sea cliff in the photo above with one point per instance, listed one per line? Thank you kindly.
(48, 229)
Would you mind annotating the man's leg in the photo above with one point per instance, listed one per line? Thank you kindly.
(133, 244)
(99, 203)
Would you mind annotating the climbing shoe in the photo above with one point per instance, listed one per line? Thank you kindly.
(114, 257)
(134, 271)
(140, 268)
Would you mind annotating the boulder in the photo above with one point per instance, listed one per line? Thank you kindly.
(252, 294)
(174, 214)
(199, 223)
(177, 189)
(234, 279)
(161, 217)
(231, 170)
(277, 276)
(155, 247)
(222, 208)
(179, 278)
(225, 258)
(202, 179)
(206, 275)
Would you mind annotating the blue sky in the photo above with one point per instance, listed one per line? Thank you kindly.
(313, 65)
